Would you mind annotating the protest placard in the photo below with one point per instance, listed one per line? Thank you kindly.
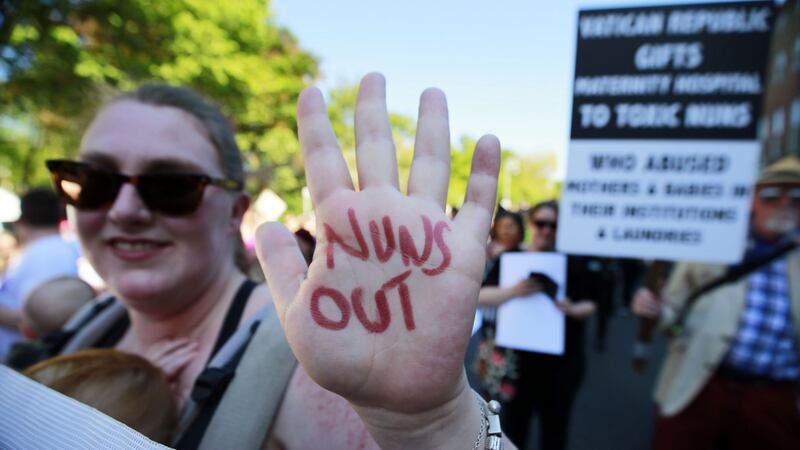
(664, 151)
(533, 323)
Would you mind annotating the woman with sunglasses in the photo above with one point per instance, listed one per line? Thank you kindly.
(157, 188)
(537, 382)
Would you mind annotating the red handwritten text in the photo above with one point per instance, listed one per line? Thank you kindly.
(361, 253)
(384, 246)
(340, 302)
(381, 323)
(439, 238)
(408, 247)
(383, 253)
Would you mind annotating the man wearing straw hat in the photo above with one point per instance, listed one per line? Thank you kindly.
(731, 377)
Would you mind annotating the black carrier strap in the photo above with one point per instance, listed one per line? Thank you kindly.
(234, 315)
(207, 392)
(210, 385)
(733, 275)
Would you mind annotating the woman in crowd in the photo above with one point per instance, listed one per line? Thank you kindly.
(158, 191)
(531, 382)
(507, 233)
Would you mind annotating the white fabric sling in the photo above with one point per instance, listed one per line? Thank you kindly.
(33, 416)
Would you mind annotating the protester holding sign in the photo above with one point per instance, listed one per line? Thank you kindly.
(732, 372)
(541, 382)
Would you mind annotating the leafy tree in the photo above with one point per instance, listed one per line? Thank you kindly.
(59, 59)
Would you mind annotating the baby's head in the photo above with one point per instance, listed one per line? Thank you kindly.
(48, 307)
(124, 386)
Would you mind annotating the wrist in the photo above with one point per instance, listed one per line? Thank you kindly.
(455, 424)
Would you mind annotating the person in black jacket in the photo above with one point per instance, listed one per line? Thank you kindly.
(543, 383)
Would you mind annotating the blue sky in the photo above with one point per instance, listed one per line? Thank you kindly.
(505, 65)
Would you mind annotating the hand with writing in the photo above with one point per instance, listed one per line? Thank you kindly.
(384, 313)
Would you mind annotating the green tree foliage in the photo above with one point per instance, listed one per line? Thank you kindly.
(59, 59)
(528, 179)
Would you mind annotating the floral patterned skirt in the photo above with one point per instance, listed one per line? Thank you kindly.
(497, 367)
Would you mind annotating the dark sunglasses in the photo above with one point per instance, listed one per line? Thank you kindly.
(771, 194)
(545, 223)
(175, 194)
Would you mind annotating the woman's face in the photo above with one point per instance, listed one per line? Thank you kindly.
(144, 255)
(543, 225)
(507, 232)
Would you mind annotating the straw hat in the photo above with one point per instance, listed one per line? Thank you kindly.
(783, 171)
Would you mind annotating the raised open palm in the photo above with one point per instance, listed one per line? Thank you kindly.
(384, 313)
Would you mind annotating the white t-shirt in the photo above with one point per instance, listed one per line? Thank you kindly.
(41, 260)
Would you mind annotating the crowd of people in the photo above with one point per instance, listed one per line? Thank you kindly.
(182, 327)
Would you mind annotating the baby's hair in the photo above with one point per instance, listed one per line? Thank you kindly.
(124, 386)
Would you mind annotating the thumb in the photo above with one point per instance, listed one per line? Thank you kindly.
(282, 262)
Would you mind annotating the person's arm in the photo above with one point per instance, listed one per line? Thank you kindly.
(580, 310)
(666, 306)
(494, 295)
(383, 317)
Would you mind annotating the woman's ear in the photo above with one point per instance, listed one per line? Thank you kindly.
(240, 206)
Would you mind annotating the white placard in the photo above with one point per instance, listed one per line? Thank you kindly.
(674, 200)
(532, 323)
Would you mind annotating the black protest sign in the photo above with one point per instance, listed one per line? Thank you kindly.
(678, 72)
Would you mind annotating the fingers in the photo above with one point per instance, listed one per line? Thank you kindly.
(282, 263)
(159, 350)
(375, 154)
(326, 170)
(645, 304)
(430, 170)
(476, 213)
(583, 309)
(580, 310)
(533, 285)
(527, 287)
(173, 363)
(173, 355)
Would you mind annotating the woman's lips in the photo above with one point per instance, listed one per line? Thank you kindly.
(135, 249)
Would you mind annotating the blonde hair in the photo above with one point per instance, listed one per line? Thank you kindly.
(124, 386)
(217, 127)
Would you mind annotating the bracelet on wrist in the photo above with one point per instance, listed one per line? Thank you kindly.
(490, 425)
